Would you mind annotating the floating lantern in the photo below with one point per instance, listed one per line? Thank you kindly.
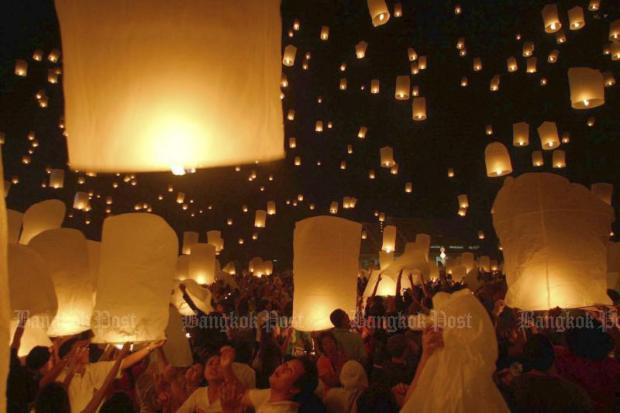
(398, 9)
(81, 201)
(260, 218)
(201, 264)
(387, 157)
(558, 159)
(402, 88)
(576, 19)
(324, 33)
(418, 108)
(537, 159)
(560, 37)
(292, 143)
(511, 64)
(422, 62)
(520, 134)
(37, 55)
(360, 49)
(408, 187)
(488, 129)
(412, 55)
(450, 173)
(21, 68)
(271, 208)
(531, 64)
(464, 81)
(180, 198)
(614, 30)
(415, 90)
(379, 13)
(374, 86)
(615, 50)
(288, 59)
(342, 85)
(594, 5)
(361, 134)
(587, 88)
(333, 208)
(190, 238)
(609, 78)
(494, 84)
(551, 18)
(389, 239)
(548, 133)
(463, 201)
(528, 49)
(553, 56)
(394, 169)
(318, 126)
(57, 178)
(215, 238)
(170, 121)
(40, 217)
(371, 174)
(290, 115)
(497, 160)
(477, 64)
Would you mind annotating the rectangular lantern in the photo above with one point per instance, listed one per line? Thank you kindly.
(260, 218)
(558, 159)
(531, 64)
(374, 86)
(271, 208)
(201, 267)
(387, 157)
(548, 133)
(360, 49)
(139, 97)
(379, 13)
(190, 238)
(418, 108)
(537, 159)
(57, 178)
(511, 64)
(324, 33)
(333, 208)
(520, 134)
(463, 201)
(551, 18)
(361, 134)
(528, 49)
(21, 68)
(576, 19)
(389, 239)
(81, 201)
(402, 87)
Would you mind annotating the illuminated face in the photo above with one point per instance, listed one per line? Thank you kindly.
(284, 377)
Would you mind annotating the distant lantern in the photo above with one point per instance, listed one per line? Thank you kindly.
(361, 134)
(610, 80)
(54, 55)
(343, 165)
(271, 208)
(511, 64)
(52, 77)
(324, 33)
(551, 18)
(283, 80)
(422, 62)
(587, 87)
(398, 9)
(57, 178)
(497, 160)
(215, 238)
(594, 5)
(477, 64)
(528, 49)
(520, 134)
(481, 235)
(488, 129)
(360, 49)
(297, 161)
(394, 169)
(558, 159)
(548, 134)
(462, 212)
(415, 90)
(180, 198)
(288, 59)
(21, 68)
(333, 208)
(81, 201)
(387, 157)
(576, 18)
(408, 187)
(318, 126)
(379, 12)
(170, 121)
(537, 159)
(614, 30)
(349, 149)
(190, 238)
(553, 56)
(415, 68)
(615, 50)
(412, 55)
(402, 87)
(342, 85)
(603, 191)
(37, 55)
(565, 137)
(460, 43)
(418, 108)
(374, 86)
(201, 264)
(450, 173)
(463, 201)
(494, 83)
(389, 239)
(292, 143)
(464, 81)
(371, 174)
(531, 64)
(560, 37)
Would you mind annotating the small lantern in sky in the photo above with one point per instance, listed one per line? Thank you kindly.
(389, 239)
(520, 134)
(418, 108)
(548, 133)
(497, 160)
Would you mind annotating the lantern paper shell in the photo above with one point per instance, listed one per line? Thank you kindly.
(171, 118)
(260, 218)
(548, 133)
(21, 68)
(215, 238)
(520, 134)
(360, 49)
(402, 87)
(81, 201)
(271, 208)
(558, 159)
(325, 267)
(201, 265)
(554, 238)
(614, 30)
(463, 201)
(65, 252)
(190, 238)
(40, 217)
(389, 239)
(587, 87)
(387, 157)
(324, 32)
(138, 260)
(419, 108)
(379, 13)
(537, 159)
(576, 19)
(57, 178)
(551, 19)
(14, 221)
(497, 160)
(603, 191)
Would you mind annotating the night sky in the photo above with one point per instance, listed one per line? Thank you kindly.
(453, 136)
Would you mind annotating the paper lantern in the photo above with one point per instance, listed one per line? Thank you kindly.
(201, 264)
(614, 30)
(603, 191)
(450, 173)
(594, 5)
(412, 55)
(180, 198)
(576, 19)
(379, 13)
(477, 64)
(548, 134)
(371, 174)
(387, 157)
(398, 10)
(394, 169)
(551, 18)
(333, 208)
(190, 238)
(560, 37)
(402, 88)
(324, 33)
(150, 102)
(520, 134)
(531, 64)
(374, 86)
(554, 237)
(40, 217)
(255, 264)
(528, 49)
(290, 114)
(57, 178)
(21, 68)
(318, 126)
(408, 187)
(610, 80)
(177, 348)
(271, 208)
(268, 267)
(497, 160)
(558, 159)
(14, 220)
(553, 56)
(587, 88)
(297, 161)
(389, 239)
(325, 266)
(138, 260)
(66, 256)
(511, 64)
(422, 62)
(81, 201)
(215, 238)
(360, 49)
(260, 218)
(464, 81)
(463, 201)
(292, 143)
(418, 108)
(537, 159)
(343, 84)
(494, 83)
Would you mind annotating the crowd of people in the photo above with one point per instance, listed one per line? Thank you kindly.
(369, 366)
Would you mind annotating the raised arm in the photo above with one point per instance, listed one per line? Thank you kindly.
(398, 282)
(19, 331)
(139, 355)
(374, 291)
(98, 396)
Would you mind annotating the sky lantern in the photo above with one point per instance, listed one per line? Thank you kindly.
(528, 49)
(463, 201)
(41, 217)
(477, 64)
(511, 64)
(318, 126)
(402, 87)
(136, 272)
(594, 5)
(560, 37)
(614, 30)
(379, 13)
(558, 159)
(408, 187)
(324, 33)
(201, 264)
(603, 191)
(389, 238)
(360, 49)
(494, 83)
(343, 84)
(375, 86)
(271, 207)
(57, 178)
(554, 238)
(412, 55)
(551, 18)
(530, 64)
(180, 197)
(537, 159)
(548, 134)
(214, 238)
(418, 108)
(325, 267)
(520, 134)
(333, 208)
(553, 56)
(21, 68)
(292, 143)
(190, 238)
(81, 201)
(615, 50)
(260, 218)
(422, 62)
(386, 155)
(497, 160)
(587, 87)
(14, 220)
(164, 121)
(398, 10)
(576, 19)
(610, 80)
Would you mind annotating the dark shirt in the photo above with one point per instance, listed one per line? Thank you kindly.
(21, 387)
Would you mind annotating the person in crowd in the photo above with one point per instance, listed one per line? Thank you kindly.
(118, 402)
(377, 398)
(331, 360)
(52, 398)
(398, 368)
(344, 399)
(350, 342)
(268, 358)
(21, 384)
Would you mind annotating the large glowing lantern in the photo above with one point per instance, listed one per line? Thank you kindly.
(497, 160)
(138, 260)
(65, 252)
(40, 217)
(190, 238)
(554, 237)
(260, 218)
(548, 134)
(325, 266)
(31, 290)
(587, 87)
(576, 19)
(201, 266)
(14, 224)
(148, 95)
(5, 311)
(520, 134)
(379, 12)
(603, 191)
(551, 18)
(389, 239)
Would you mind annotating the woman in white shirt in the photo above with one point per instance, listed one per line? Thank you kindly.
(207, 398)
